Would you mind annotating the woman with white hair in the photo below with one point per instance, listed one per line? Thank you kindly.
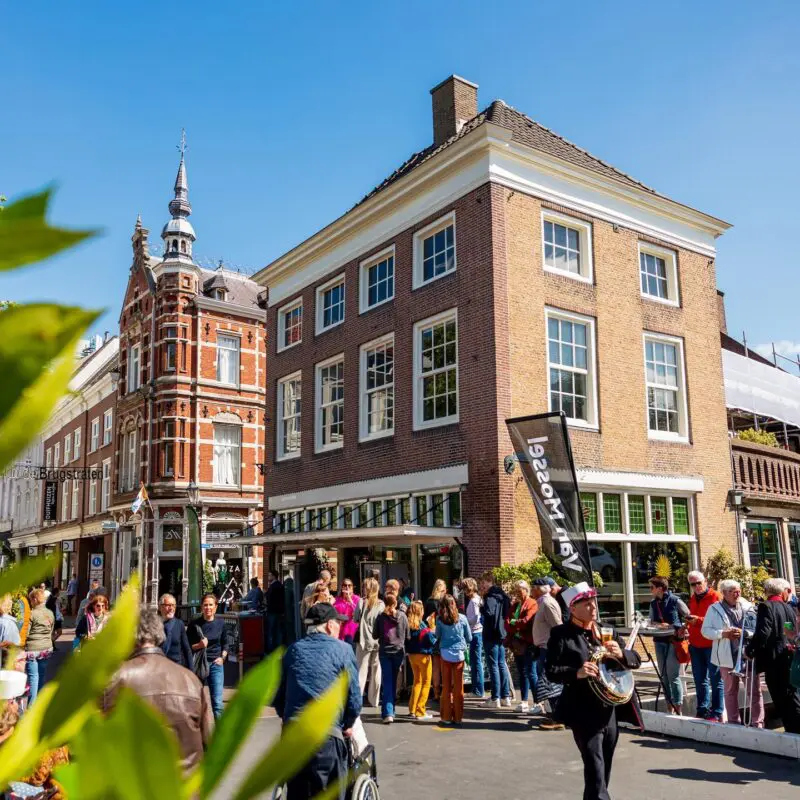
(723, 625)
(770, 648)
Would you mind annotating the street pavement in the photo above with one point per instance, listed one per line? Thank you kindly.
(498, 754)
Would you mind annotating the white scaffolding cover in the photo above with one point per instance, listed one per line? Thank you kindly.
(760, 388)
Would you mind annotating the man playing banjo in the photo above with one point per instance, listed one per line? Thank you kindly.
(574, 659)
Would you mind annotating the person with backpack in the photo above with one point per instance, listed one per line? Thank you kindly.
(496, 607)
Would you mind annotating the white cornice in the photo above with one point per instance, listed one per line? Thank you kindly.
(452, 173)
(598, 479)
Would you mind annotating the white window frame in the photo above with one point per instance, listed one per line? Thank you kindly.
(131, 456)
(363, 272)
(67, 449)
(419, 423)
(233, 337)
(93, 493)
(75, 499)
(593, 421)
(170, 341)
(584, 230)
(48, 462)
(282, 312)
(328, 362)
(105, 487)
(683, 410)
(419, 239)
(108, 426)
(94, 439)
(238, 449)
(671, 266)
(281, 454)
(134, 375)
(363, 415)
(76, 444)
(320, 295)
(65, 497)
(57, 454)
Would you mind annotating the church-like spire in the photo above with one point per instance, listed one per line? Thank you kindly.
(178, 233)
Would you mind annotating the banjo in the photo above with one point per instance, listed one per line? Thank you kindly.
(614, 683)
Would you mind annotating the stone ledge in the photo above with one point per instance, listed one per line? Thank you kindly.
(757, 740)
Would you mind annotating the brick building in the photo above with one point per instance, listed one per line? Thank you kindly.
(500, 271)
(79, 436)
(190, 408)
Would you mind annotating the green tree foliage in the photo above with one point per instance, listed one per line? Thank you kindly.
(541, 567)
(759, 437)
(131, 753)
(723, 566)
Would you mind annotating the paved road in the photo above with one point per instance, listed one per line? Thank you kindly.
(498, 755)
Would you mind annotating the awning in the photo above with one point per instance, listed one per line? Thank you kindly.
(401, 535)
(760, 389)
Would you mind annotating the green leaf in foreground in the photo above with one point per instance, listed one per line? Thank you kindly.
(144, 760)
(37, 346)
(27, 573)
(256, 691)
(301, 738)
(85, 675)
(27, 237)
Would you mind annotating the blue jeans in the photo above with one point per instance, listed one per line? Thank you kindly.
(707, 682)
(498, 675)
(37, 673)
(390, 666)
(476, 663)
(528, 673)
(215, 682)
(670, 670)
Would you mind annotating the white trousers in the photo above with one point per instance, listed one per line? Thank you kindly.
(369, 668)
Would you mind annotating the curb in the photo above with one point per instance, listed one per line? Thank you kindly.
(756, 740)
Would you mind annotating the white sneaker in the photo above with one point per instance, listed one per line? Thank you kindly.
(522, 708)
(537, 709)
(506, 702)
(490, 703)
(425, 718)
(388, 720)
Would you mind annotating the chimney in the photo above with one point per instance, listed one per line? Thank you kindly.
(723, 322)
(455, 101)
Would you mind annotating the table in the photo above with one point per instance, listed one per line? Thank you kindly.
(656, 634)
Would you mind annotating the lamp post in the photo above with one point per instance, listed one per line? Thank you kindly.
(195, 565)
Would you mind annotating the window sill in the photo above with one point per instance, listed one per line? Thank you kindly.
(331, 448)
(587, 279)
(439, 423)
(288, 346)
(375, 437)
(287, 457)
(583, 425)
(320, 331)
(420, 284)
(367, 309)
(662, 301)
(675, 438)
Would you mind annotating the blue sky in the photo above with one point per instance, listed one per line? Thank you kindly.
(294, 111)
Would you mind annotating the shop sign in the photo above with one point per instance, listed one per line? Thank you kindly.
(33, 550)
(50, 501)
(68, 546)
(173, 539)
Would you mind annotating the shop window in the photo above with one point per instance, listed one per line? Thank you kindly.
(376, 514)
(649, 559)
(762, 540)
(589, 509)
(680, 515)
(636, 518)
(658, 515)
(454, 500)
(607, 562)
(405, 510)
(330, 521)
(794, 549)
(612, 513)
(391, 512)
(421, 510)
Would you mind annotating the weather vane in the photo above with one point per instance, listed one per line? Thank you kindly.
(182, 145)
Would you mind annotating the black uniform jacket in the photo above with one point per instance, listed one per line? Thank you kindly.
(769, 644)
(568, 649)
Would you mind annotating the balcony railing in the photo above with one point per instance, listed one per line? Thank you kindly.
(767, 472)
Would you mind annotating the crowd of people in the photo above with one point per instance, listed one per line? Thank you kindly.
(391, 643)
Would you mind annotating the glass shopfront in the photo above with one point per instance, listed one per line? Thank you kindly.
(794, 549)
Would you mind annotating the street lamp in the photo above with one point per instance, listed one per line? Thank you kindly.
(193, 493)
(195, 565)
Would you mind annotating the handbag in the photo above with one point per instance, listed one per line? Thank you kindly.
(545, 690)
(680, 646)
(200, 666)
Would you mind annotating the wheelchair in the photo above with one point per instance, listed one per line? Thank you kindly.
(363, 775)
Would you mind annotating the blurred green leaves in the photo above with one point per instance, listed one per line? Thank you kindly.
(26, 236)
(27, 573)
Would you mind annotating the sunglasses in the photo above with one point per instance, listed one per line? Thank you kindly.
(347, 586)
(168, 605)
(695, 583)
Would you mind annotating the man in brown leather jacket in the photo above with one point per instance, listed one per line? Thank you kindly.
(170, 688)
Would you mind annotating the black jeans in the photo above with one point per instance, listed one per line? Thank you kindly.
(785, 697)
(325, 768)
(597, 747)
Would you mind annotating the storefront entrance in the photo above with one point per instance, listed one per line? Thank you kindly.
(764, 547)
(170, 577)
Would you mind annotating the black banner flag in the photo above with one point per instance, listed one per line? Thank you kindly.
(50, 500)
(541, 444)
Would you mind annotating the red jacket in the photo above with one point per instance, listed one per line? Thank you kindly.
(699, 608)
(524, 624)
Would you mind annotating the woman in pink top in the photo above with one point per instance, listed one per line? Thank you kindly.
(346, 603)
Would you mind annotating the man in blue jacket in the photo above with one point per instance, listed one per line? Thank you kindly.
(496, 608)
(310, 667)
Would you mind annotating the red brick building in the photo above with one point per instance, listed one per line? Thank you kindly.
(501, 271)
(79, 437)
(190, 408)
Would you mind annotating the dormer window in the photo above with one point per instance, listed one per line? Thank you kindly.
(220, 294)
